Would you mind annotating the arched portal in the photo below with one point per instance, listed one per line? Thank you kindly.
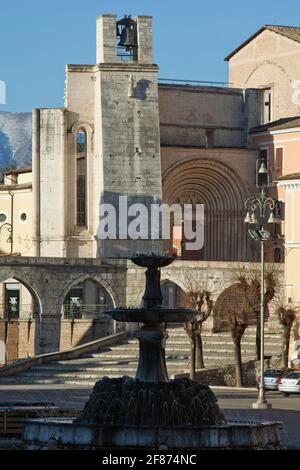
(223, 194)
(173, 295)
(20, 313)
(83, 313)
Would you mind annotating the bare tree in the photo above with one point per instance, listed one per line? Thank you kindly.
(250, 280)
(287, 316)
(201, 301)
(237, 322)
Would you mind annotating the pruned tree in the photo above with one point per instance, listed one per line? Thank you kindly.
(249, 278)
(286, 315)
(200, 300)
(237, 322)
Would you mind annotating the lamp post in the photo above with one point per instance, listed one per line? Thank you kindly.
(258, 205)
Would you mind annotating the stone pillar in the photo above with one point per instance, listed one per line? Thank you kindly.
(25, 302)
(53, 129)
(2, 300)
(36, 230)
(144, 37)
(106, 50)
(252, 111)
(49, 333)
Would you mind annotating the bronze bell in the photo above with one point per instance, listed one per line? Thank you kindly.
(128, 38)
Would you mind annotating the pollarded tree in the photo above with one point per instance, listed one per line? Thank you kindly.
(250, 280)
(287, 316)
(201, 301)
(237, 322)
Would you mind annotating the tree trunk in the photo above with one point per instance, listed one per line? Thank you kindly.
(193, 356)
(238, 363)
(286, 347)
(257, 340)
(199, 352)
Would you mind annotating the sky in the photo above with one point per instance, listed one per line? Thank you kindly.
(191, 39)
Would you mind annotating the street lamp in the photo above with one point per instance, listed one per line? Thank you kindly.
(257, 207)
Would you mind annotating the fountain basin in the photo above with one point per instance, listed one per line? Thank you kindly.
(69, 434)
(152, 315)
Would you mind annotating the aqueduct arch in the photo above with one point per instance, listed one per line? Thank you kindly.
(21, 312)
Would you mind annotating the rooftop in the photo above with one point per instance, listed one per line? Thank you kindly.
(291, 176)
(18, 171)
(279, 124)
(290, 32)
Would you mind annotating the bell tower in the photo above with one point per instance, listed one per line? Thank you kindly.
(127, 136)
(112, 33)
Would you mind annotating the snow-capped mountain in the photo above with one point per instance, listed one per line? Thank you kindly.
(15, 139)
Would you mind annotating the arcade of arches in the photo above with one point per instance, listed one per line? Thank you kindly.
(54, 306)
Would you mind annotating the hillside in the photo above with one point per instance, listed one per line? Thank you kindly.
(15, 139)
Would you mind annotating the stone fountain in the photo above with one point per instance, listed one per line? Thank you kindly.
(150, 411)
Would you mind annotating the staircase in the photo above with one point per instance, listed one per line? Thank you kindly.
(122, 359)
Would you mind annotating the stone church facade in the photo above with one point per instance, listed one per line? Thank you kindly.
(123, 132)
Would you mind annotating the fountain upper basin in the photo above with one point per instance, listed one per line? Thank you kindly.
(152, 315)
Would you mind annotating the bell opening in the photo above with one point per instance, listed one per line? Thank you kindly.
(127, 37)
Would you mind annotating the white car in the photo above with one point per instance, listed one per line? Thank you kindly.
(289, 384)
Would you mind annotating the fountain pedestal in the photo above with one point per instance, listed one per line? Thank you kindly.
(152, 358)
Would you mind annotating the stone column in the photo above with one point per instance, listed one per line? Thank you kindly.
(106, 50)
(144, 37)
(49, 333)
(36, 229)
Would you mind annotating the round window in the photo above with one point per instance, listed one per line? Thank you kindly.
(23, 216)
(3, 217)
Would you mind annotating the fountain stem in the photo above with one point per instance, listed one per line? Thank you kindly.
(153, 295)
(152, 359)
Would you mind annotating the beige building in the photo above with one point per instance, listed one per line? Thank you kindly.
(123, 132)
(269, 60)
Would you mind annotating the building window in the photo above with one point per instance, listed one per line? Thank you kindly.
(81, 178)
(267, 105)
(12, 300)
(278, 162)
(23, 217)
(3, 218)
(262, 179)
(277, 254)
(209, 138)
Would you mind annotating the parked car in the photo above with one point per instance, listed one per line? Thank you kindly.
(289, 384)
(271, 377)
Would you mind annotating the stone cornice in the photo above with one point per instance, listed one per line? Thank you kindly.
(289, 184)
(15, 187)
(113, 66)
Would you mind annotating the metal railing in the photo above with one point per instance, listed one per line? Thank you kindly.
(122, 54)
(13, 312)
(170, 81)
(84, 311)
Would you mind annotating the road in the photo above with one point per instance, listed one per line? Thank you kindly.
(235, 404)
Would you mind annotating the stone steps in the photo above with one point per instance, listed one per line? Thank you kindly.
(122, 359)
